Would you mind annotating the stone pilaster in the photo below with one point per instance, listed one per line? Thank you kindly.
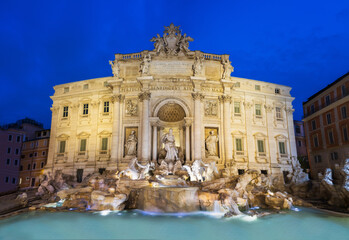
(226, 100)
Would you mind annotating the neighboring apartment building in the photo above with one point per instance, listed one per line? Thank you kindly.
(33, 159)
(11, 138)
(301, 145)
(326, 126)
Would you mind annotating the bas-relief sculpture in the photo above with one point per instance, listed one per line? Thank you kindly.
(211, 108)
(131, 108)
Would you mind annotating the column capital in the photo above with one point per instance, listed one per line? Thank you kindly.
(268, 108)
(197, 96)
(225, 98)
(144, 96)
(117, 98)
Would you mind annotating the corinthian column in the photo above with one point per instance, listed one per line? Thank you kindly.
(198, 97)
(115, 133)
(144, 98)
(226, 123)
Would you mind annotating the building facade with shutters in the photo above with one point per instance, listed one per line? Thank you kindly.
(326, 126)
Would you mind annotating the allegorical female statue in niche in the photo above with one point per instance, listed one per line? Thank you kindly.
(131, 144)
(211, 144)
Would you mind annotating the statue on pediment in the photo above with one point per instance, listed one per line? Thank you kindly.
(172, 42)
(159, 43)
(115, 67)
(145, 64)
(227, 69)
(198, 66)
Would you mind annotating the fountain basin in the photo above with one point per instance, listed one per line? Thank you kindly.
(168, 199)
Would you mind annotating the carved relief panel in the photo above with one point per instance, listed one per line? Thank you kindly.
(211, 108)
(131, 107)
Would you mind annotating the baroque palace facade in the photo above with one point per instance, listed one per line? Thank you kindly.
(103, 123)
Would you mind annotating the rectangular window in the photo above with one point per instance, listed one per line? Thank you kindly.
(66, 89)
(10, 138)
(312, 108)
(17, 151)
(8, 161)
(258, 110)
(104, 143)
(6, 179)
(316, 141)
(299, 143)
(29, 166)
(330, 137)
(241, 171)
(334, 156)
(282, 149)
(35, 154)
(16, 162)
(13, 180)
(298, 129)
(237, 107)
(65, 111)
(42, 164)
(344, 90)
(18, 138)
(238, 142)
(62, 147)
(9, 150)
(328, 117)
(313, 124)
(82, 145)
(317, 158)
(85, 109)
(85, 86)
(278, 113)
(345, 133)
(277, 90)
(106, 107)
(257, 87)
(344, 112)
(34, 166)
(260, 145)
(327, 100)
(43, 153)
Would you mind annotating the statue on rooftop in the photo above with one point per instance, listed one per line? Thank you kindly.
(115, 66)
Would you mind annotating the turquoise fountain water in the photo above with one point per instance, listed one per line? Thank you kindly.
(304, 224)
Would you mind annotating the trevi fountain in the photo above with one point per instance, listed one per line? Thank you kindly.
(173, 174)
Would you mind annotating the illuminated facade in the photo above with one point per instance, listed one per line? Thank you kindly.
(240, 123)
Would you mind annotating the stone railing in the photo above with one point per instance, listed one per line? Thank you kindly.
(131, 56)
(209, 56)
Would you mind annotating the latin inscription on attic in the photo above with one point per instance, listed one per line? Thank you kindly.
(171, 68)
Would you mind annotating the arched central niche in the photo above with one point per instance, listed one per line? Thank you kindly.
(171, 112)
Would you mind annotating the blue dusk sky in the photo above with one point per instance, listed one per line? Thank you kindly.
(302, 44)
